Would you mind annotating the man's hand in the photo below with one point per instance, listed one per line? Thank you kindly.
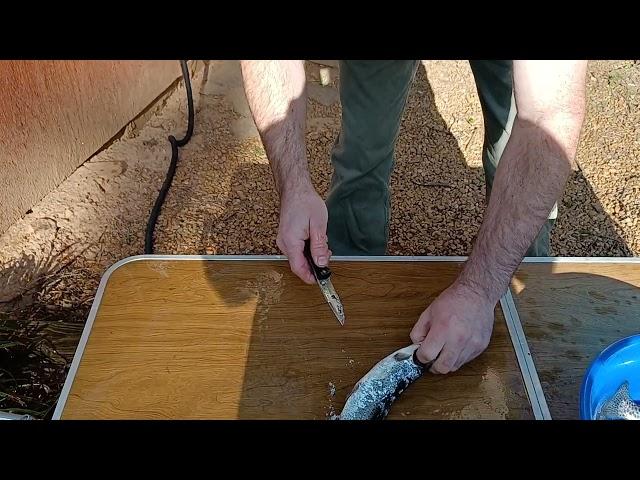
(303, 215)
(535, 165)
(277, 97)
(455, 328)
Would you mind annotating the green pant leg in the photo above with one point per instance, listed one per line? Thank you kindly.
(373, 96)
(494, 80)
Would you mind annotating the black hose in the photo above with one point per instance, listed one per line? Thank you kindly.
(155, 212)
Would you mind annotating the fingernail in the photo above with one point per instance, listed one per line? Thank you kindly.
(321, 261)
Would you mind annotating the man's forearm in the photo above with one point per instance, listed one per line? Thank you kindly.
(530, 178)
(276, 94)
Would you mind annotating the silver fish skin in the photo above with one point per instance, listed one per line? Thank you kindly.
(620, 406)
(14, 416)
(372, 396)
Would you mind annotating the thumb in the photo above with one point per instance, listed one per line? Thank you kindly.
(318, 240)
(431, 346)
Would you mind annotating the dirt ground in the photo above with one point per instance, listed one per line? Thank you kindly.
(223, 200)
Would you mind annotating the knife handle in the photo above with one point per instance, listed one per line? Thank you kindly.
(423, 366)
(321, 273)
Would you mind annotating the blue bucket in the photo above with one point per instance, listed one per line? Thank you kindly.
(616, 364)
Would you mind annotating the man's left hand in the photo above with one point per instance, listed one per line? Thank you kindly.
(455, 328)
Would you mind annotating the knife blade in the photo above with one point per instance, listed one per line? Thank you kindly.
(323, 278)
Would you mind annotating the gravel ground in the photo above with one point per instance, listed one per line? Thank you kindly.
(223, 199)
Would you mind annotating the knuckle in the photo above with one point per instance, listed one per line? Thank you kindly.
(481, 342)
(430, 354)
(438, 369)
(285, 238)
(459, 336)
(296, 268)
(445, 367)
(446, 362)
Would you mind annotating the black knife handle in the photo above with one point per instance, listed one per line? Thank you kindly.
(322, 273)
(423, 366)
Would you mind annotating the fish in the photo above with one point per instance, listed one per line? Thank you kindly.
(373, 395)
(620, 406)
(15, 416)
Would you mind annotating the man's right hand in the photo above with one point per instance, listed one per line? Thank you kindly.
(303, 215)
(276, 92)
